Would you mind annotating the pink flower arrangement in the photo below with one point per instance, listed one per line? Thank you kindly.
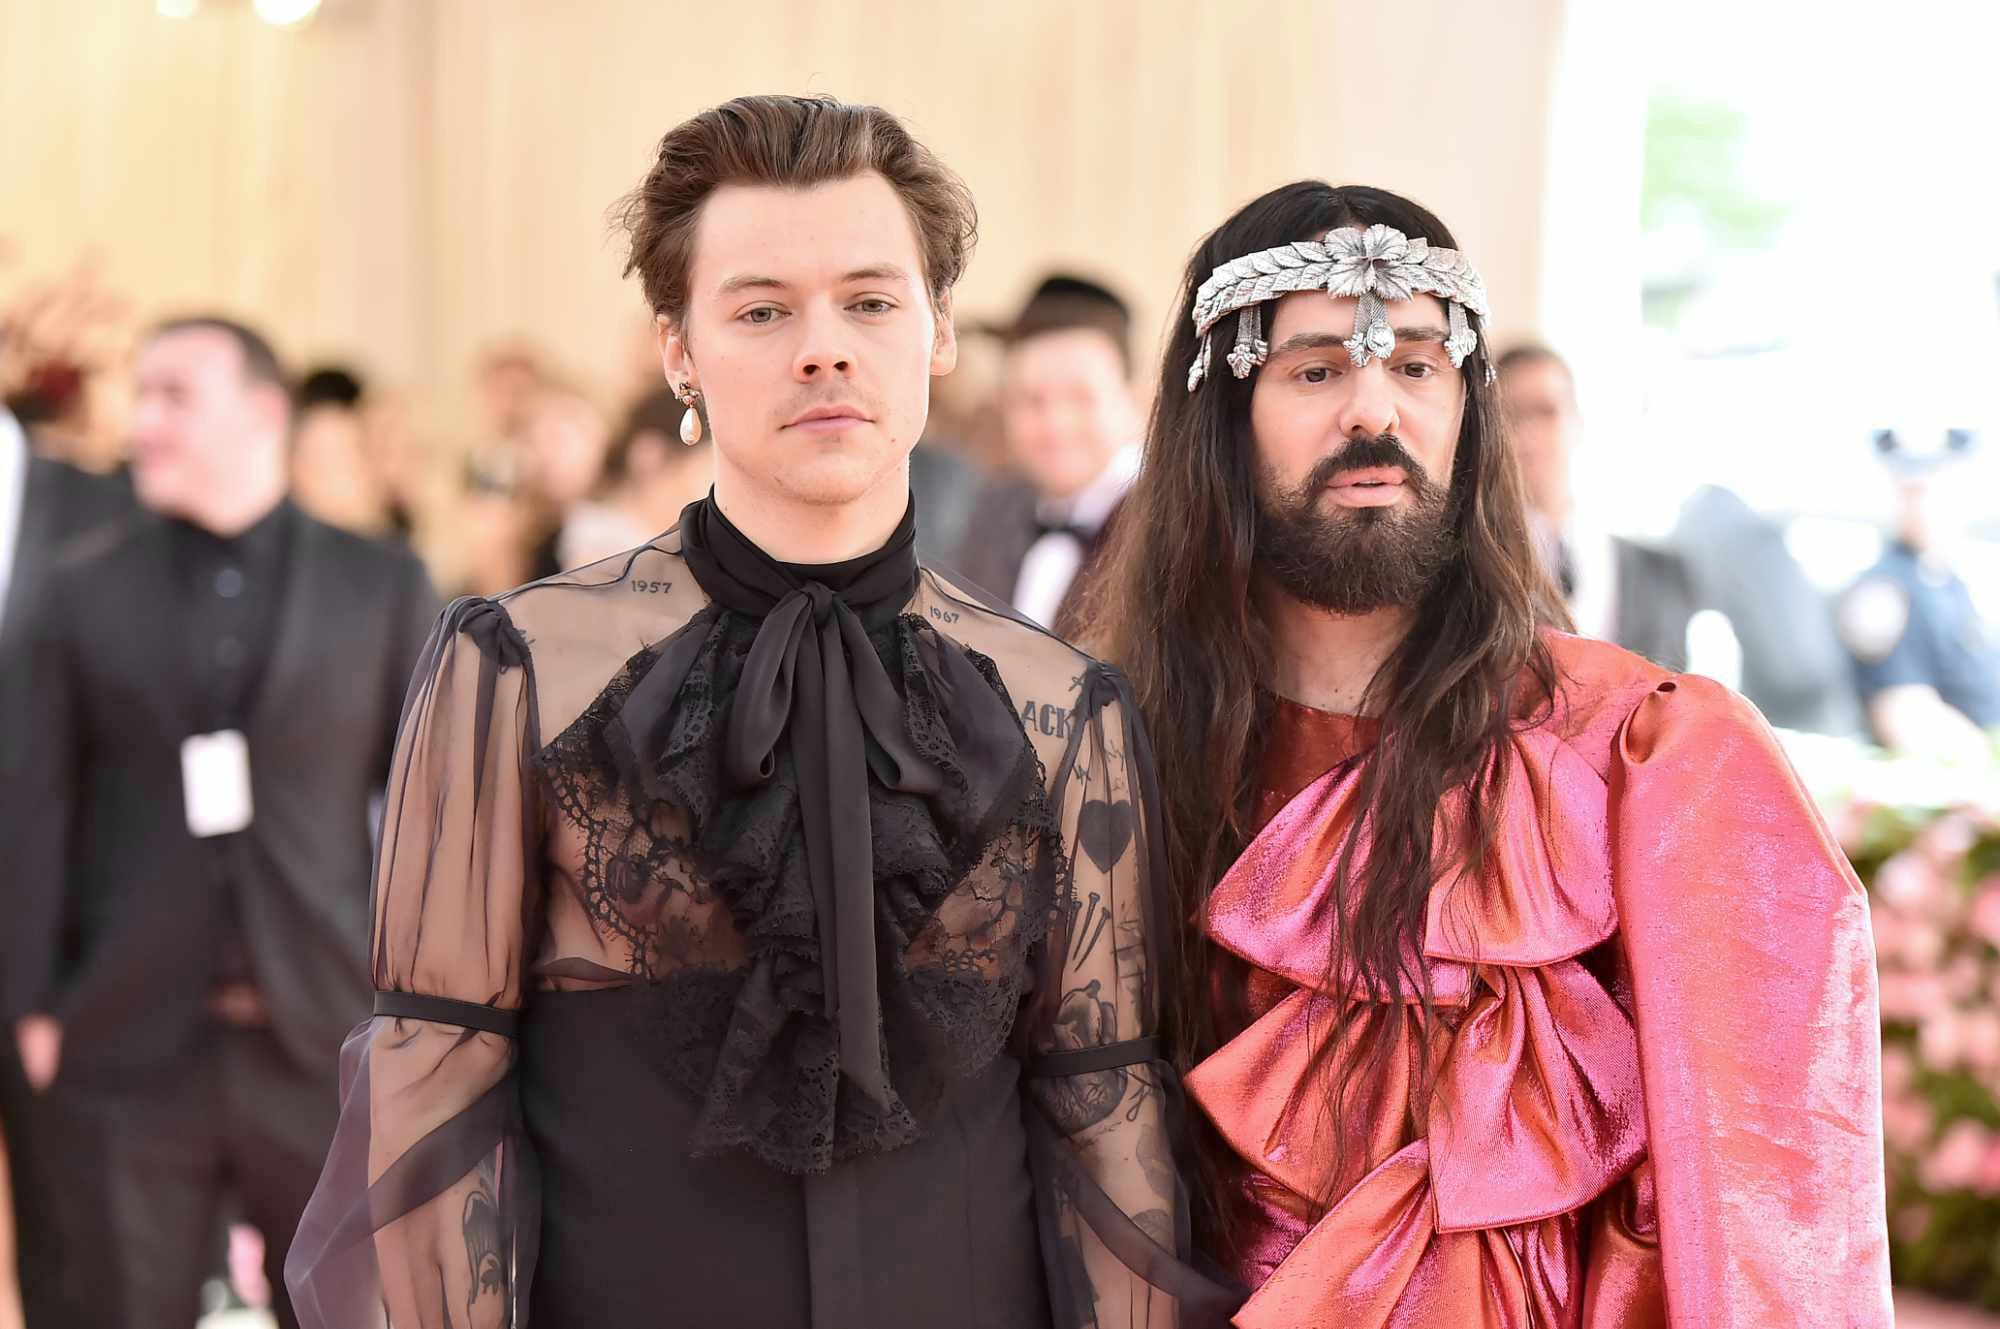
(1934, 892)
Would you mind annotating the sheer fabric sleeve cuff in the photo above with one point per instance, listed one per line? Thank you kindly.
(428, 1205)
(1107, 1128)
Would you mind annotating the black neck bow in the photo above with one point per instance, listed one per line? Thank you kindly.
(844, 770)
(813, 672)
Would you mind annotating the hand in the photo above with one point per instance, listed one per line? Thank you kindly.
(39, 1038)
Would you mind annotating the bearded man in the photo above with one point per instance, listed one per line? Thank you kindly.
(1527, 987)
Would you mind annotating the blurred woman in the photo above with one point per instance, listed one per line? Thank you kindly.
(649, 476)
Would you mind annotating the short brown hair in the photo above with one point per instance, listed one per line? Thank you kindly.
(1528, 354)
(260, 363)
(795, 143)
(1066, 303)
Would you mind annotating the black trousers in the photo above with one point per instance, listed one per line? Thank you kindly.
(151, 1170)
(33, 1143)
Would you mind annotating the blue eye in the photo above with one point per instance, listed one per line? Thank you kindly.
(753, 316)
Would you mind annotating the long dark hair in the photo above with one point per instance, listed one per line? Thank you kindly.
(1176, 608)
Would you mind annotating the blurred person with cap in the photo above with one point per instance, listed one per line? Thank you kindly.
(216, 683)
(1073, 424)
(1926, 660)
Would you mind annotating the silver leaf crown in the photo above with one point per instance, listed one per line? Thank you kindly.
(1376, 264)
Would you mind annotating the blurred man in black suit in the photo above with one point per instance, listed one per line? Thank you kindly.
(216, 685)
(1637, 595)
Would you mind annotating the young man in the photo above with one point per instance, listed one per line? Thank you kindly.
(1531, 989)
(1073, 424)
(765, 928)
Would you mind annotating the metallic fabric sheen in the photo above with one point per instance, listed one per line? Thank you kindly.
(1656, 1091)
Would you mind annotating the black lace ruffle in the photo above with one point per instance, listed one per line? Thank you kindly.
(710, 888)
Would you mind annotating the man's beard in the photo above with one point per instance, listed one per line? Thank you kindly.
(1355, 560)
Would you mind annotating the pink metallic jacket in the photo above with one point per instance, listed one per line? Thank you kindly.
(1655, 1096)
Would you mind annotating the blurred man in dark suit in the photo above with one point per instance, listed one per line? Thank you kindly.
(42, 504)
(1073, 429)
(216, 684)
(1722, 556)
(1636, 595)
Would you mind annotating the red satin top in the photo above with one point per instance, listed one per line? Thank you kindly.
(1656, 1092)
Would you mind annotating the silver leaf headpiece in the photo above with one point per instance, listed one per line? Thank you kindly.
(1377, 265)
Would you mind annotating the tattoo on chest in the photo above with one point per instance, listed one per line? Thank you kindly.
(651, 587)
(1050, 721)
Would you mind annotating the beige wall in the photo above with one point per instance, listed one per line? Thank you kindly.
(404, 180)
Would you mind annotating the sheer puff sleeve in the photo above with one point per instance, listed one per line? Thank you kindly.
(427, 1206)
(1107, 1119)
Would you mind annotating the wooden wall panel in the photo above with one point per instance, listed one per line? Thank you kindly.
(402, 181)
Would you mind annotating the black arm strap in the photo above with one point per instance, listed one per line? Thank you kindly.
(444, 1010)
(1085, 1060)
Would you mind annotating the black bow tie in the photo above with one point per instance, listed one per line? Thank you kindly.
(1081, 534)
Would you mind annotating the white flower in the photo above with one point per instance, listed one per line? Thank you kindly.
(1369, 260)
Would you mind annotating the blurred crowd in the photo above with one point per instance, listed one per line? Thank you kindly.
(169, 492)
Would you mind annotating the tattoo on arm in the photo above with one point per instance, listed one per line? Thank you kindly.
(1157, 1162)
(1085, 925)
(481, 1225)
(1104, 830)
(1077, 1102)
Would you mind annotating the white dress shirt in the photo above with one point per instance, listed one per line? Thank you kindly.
(13, 494)
(1053, 560)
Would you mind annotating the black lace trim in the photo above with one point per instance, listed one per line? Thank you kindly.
(710, 892)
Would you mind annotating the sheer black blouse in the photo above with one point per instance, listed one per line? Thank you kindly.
(853, 833)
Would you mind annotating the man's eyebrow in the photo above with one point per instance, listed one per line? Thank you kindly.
(749, 281)
(876, 272)
(753, 281)
(1319, 341)
(1308, 341)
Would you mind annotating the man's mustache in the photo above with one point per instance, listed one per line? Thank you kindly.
(1360, 453)
(834, 396)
